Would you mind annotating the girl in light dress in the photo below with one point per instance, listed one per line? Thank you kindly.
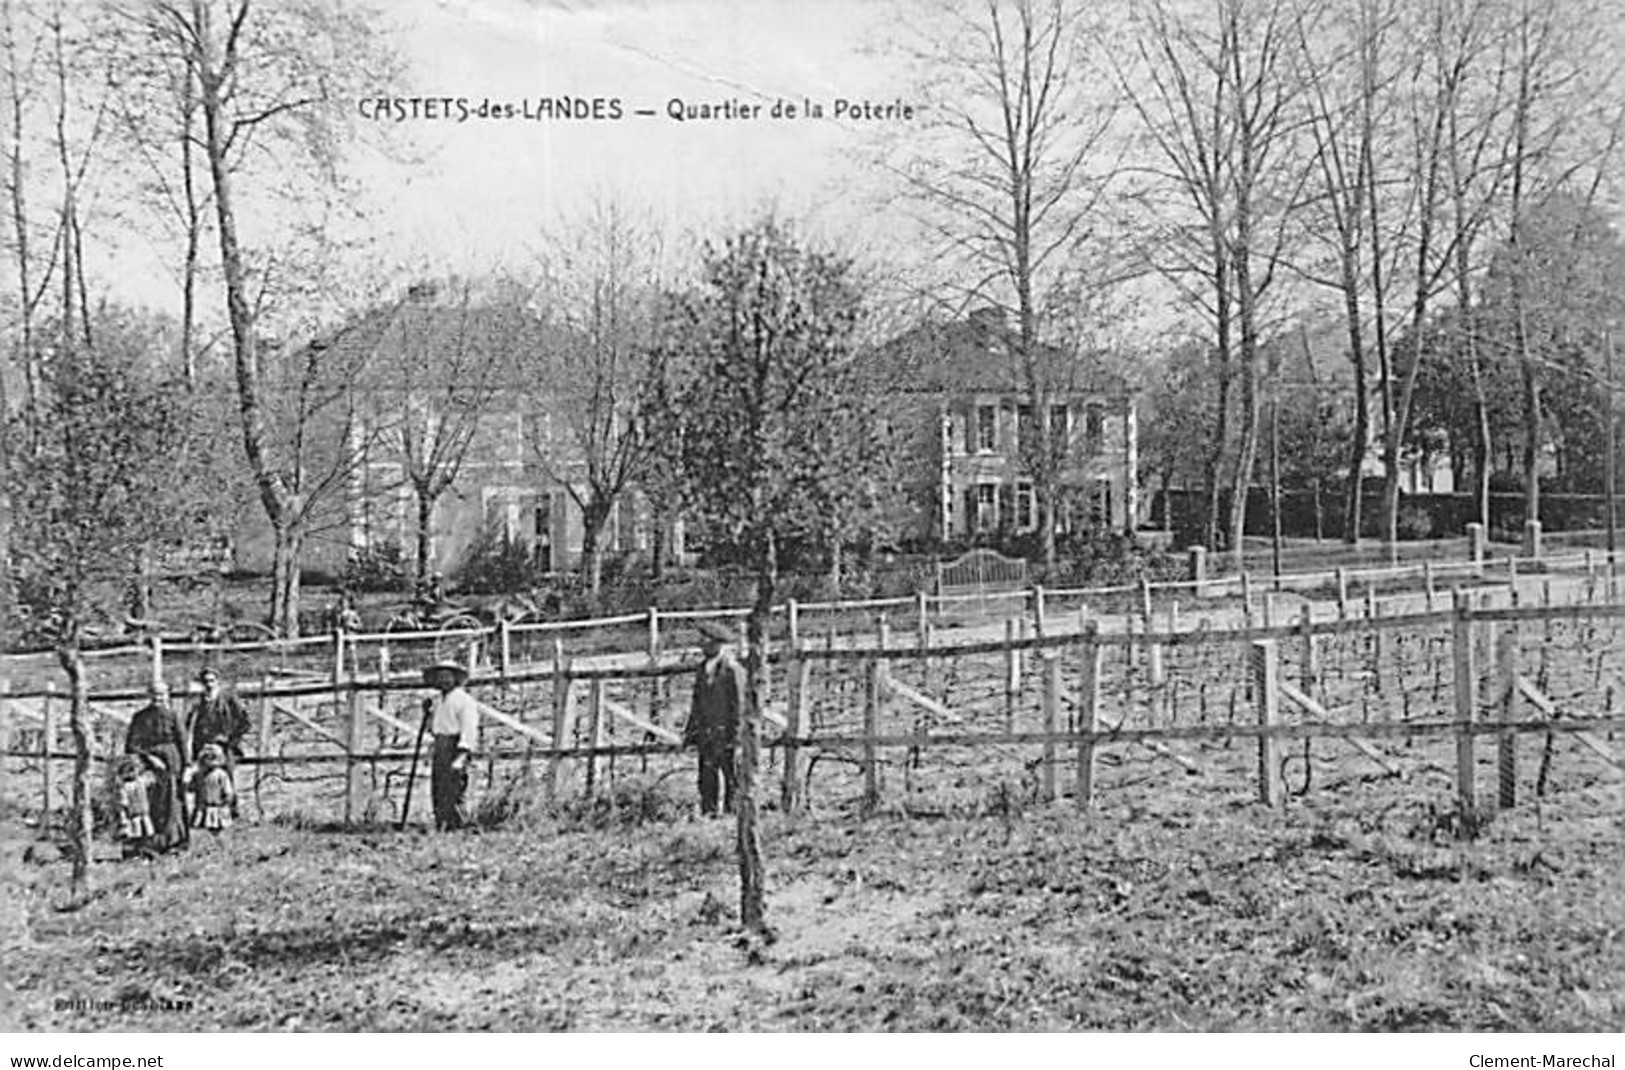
(215, 793)
(134, 806)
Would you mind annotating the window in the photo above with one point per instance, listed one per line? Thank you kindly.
(1060, 428)
(1026, 434)
(987, 428)
(987, 506)
(1025, 520)
(1100, 504)
(501, 508)
(536, 433)
(1094, 426)
(541, 528)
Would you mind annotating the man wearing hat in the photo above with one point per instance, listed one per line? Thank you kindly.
(217, 718)
(454, 718)
(713, 717)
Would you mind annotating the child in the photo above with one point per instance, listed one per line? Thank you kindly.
(216, 797)
(134, 809)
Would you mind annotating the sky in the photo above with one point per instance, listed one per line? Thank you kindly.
(485, 188)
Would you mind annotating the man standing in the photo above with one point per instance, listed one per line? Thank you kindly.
(713, 717)
(454, 718)
(217, 718)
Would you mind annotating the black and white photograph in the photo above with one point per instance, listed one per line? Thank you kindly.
(928, 517)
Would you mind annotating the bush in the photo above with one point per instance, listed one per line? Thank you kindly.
(1415, 522)
(376, 568)
(499, 564)
(1111, 558)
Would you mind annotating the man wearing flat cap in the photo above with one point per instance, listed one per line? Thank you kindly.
(454, 718)
(713, 717)
(219, 718)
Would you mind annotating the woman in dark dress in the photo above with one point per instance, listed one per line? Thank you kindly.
(155, 736)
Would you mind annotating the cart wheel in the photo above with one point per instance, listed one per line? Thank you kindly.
(455, 636)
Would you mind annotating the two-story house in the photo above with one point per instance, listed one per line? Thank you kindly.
(435, 369)
(437, 383)
(965, 406)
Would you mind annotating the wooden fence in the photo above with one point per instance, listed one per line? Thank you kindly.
(1052, 702)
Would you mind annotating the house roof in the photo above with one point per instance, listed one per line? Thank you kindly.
(980, 354)
(429, 338)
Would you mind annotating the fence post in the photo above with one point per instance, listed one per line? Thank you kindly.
(1246, 592)
(561, 716)
(1506, 660)
(1475, 545)
(1267, 692)
(1310, 669)
(1531, 539)
(1012, 675)
(1342, 594)
(47, 748)
(1466, 675)
(790, 796)
(504, 649)
(922, 619)
(595, 734)
(1038, 610)
(1427, 583)
(343, 700)
(873, 682)
(1197, 556)
(157, 676)
(1088, 714)
(1374, 614)
(1052, 704)
(264, 750)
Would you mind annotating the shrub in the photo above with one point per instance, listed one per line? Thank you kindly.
(499, 564)
(1110, 558)
(381, 567)
(1414, 522)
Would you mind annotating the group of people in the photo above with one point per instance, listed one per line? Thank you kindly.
(165, 755)
(177, 773)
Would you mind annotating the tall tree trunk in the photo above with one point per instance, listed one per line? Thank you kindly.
(1211, 464)
(285, 580)
(1354, 495)
(1531, 422)
(594, 518)
(424, 535)
(276, 497)
(1247, 314)
(81, 827)
(752, 895)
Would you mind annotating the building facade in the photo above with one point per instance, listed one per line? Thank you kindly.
(967, 403)
(455, 372)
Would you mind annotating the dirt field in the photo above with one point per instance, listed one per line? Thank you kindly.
(1165, 910)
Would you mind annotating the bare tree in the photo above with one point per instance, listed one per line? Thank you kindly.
(1011, 176)
(452, 351)
(268, 81)
(1215, 95)
(1348, 72)
(1559, 87)
(600, 298)
(1453, 58)
(156, 102)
